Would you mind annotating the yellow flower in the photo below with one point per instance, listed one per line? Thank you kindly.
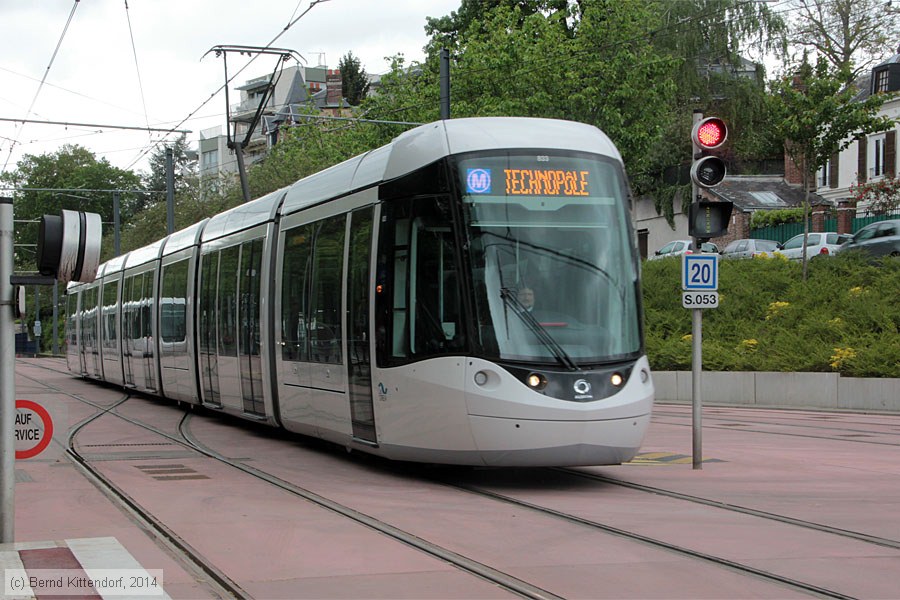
(857, 291)
(775, 308)
(687, 338)
(841, 356)
(749, 345)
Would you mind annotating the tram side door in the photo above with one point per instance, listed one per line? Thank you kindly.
(207, 319)
(250, 276)
(359, 365)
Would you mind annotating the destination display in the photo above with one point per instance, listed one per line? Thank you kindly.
(550, 181)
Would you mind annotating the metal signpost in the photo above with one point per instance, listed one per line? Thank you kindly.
(68, 250)
(7, 376)
(700, 284)
(699, 272)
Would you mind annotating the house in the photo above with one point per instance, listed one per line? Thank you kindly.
(749, 193)
(296, 89)
(873, 157)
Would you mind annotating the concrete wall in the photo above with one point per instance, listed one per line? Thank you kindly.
(827, 391)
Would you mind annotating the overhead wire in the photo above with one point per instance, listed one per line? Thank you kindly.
(230, 79)
(137, 66)
(43, 79)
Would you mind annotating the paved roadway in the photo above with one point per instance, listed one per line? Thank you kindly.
(788, 504)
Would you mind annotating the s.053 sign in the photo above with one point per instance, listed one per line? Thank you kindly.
(700, 299)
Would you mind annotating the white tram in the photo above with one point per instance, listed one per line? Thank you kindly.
(379, 304)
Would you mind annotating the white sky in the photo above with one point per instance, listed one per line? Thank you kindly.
(93, 78)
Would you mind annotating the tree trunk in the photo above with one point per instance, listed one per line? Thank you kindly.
(805, 218)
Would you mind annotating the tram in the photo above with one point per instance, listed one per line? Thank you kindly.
(379, 303)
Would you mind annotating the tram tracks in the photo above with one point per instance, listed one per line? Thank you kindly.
(810, 525)
(180, 549)
(741, 568)
(227, 587)
(518, 586)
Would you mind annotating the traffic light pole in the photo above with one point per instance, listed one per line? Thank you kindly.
(696, 339)
(7, 377)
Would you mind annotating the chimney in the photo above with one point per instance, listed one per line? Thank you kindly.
(334, 85)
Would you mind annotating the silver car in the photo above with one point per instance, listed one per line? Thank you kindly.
(679, 247)
(877, 239)
(817, 244)
(748, 248)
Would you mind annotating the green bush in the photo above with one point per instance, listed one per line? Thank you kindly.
(771, 218)
(845, 318)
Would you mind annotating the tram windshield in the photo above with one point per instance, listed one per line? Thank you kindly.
(549, 244)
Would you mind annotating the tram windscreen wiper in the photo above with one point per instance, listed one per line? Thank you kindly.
(511, 299)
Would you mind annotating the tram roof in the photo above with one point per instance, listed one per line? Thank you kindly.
(144, 255)
(113, 265)
(243, 216)
(426, 144)
(184, 238)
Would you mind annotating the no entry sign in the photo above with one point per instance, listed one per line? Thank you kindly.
(34, 429)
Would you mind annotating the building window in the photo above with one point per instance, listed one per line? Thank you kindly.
(881, 81)
(877, 155)
(210, 160)
(823, 179)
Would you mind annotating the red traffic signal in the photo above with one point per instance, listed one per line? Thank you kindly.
(709, 133)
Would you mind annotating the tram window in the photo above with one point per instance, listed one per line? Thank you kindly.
(325, 299)
(136, 318)
(89, 313)
(110, 292)
(227, 313)
(173, 310)
(251, 267)
(296, 272)
(420, 313)
(71, 316)
(208, 318)
(131, 316)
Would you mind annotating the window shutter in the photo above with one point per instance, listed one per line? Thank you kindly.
(890, 153)
(861, 168)
(834, 170)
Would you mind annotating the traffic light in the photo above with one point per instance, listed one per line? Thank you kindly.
(707, 134)
(708, 220)
(69, 246)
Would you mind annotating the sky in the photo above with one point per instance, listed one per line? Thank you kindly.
(99, 70)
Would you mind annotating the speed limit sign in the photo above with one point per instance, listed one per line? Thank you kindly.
(699, 272)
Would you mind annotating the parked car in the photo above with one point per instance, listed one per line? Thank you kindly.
(877, 239)
(748, 248)
(817, 244)
(679, 247)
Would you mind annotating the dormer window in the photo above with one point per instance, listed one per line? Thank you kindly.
(886, 76)
(881, 81)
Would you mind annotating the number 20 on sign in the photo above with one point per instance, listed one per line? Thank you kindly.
(700, 280)
(700, 272)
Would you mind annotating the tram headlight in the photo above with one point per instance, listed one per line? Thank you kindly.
(536, 381)
(616, 379)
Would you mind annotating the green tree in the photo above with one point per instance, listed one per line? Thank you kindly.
(354, 79)
(815, 113)
(69, 170)
(184, 168)
(446, 31)
(634, 69)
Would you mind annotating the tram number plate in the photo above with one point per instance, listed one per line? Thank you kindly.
(700, 299)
